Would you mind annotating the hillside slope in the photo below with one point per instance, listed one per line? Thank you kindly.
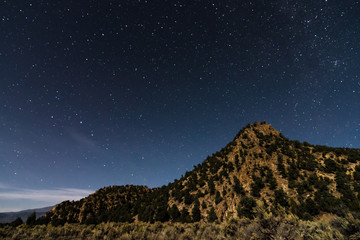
(260, 167)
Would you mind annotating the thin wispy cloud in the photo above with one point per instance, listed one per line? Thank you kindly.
(45, 196)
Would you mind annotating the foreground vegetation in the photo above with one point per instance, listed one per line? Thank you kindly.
(264, 226)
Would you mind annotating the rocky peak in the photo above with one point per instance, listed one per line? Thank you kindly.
(258, 129)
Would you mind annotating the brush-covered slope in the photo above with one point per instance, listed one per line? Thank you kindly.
(114, 203)
(259, 167)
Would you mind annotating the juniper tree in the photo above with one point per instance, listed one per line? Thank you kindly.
(196, 214)
(212, 215)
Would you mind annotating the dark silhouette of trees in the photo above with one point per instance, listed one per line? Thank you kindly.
(31, 220)
(17, 222)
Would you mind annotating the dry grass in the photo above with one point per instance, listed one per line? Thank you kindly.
(264, 226)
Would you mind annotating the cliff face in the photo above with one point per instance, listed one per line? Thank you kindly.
(259, 167)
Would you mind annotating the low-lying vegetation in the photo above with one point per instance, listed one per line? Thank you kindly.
(265, 225)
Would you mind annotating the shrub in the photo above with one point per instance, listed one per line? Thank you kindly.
(246, 207)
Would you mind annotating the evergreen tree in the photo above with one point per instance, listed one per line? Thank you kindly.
(188, 199)
(281, 198)
(212, 215)
(174, 213)
(238, 188)
(237, 163)
(191, 184)
(196, 214)
(271, 180)
(211, 187)
(16, 222)
(324, 200)
(293, 171)
(330, 166)
(203, 204)
(281, 167)
(224, 191)
(185, 217)
(356, 174)
(256, 186)
(246, 207)
(30, 221)
(272, 184)
(343, 186)
(161, 214)
(311, 207)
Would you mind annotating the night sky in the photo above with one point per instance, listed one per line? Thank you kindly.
(98, 93)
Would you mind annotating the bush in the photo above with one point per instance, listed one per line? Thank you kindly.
(281, 198)
(246, 207)
(330, 166)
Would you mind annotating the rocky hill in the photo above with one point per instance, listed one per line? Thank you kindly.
(260, 167)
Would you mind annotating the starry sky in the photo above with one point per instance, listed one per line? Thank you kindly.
(98, 93)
